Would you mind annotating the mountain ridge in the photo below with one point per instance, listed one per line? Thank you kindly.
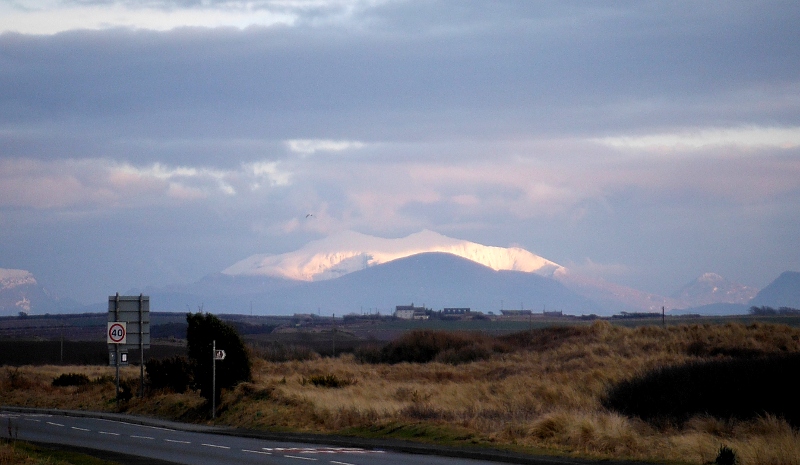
(349, 251)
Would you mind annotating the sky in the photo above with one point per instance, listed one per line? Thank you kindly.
(146, 143)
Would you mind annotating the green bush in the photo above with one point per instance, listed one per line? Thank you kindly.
(202, 330)
(71, 379)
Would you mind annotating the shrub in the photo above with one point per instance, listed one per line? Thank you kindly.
(328, 381)
(277, 352)
(726, 456)
(426, 346)
(71, 379)
(172, 373)
(738, 388)
(127, 388)
(202, 329)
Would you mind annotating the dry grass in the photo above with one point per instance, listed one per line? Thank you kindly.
(545, 396)
(11, 456)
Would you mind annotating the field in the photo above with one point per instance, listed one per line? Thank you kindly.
(535, 391)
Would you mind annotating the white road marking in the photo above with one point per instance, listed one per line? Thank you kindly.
(31, 419)
(301, 458)
(257, 452)
(214, 445)
(142, 437)
(109, 433)
(324, 450)
(79, 429)
(135, 424)
(341, 463)
(54, 424)
(179, 442)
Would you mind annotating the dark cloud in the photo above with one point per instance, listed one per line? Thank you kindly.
(480, 122)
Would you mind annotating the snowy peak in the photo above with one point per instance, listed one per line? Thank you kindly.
(711, 288)
(350, 251)
(17, 288)
(13, 278)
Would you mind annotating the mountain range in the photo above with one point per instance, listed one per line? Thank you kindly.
(20, 292)
(351, 272)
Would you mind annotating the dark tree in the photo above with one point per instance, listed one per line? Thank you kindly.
(203, 329)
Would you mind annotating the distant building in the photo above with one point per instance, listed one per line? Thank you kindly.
(410, 312)
(515, 312)
(455, 311)
(554, 313)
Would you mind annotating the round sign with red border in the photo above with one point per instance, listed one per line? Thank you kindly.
(116, 333)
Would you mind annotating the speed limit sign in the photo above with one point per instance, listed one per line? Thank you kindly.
(117, 332)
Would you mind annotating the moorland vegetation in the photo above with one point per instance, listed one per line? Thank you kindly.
(577, 390)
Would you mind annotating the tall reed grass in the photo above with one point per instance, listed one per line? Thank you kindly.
(531, 391)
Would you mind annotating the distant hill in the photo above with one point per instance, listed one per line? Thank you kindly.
(435, 280)
(711, 288)
(783, 292)
(20, 292)
(349, 251)
(714, 310)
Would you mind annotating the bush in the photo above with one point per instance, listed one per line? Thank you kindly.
(71, 379)
(202, 329)
(426, 346)
(726, 389)
(172, 373)
(277, 352)
(328, 381)
(126, 389)
(726, 456)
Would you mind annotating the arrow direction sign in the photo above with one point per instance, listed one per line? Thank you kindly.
(219, 355)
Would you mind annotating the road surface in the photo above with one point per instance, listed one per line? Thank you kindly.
(203, 445)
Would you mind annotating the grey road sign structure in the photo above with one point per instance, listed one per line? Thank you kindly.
(127, 310)
(132, 313)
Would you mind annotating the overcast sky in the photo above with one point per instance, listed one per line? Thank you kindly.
(144, 143)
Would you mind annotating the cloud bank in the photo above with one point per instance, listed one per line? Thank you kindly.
(181, 137)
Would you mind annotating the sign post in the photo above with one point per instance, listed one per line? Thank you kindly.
(218, 355)
(128, 329)
(214, 379)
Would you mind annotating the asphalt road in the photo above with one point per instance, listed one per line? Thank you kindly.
(181, 443)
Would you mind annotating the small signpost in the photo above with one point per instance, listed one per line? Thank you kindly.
(218, 355)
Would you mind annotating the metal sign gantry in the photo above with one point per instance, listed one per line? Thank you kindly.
(128, 328)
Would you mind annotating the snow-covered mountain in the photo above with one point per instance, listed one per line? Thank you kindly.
(711, 288)
(347, 252)
(19, 292)
(350, 251)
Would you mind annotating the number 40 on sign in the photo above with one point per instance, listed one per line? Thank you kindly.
(117, 332)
